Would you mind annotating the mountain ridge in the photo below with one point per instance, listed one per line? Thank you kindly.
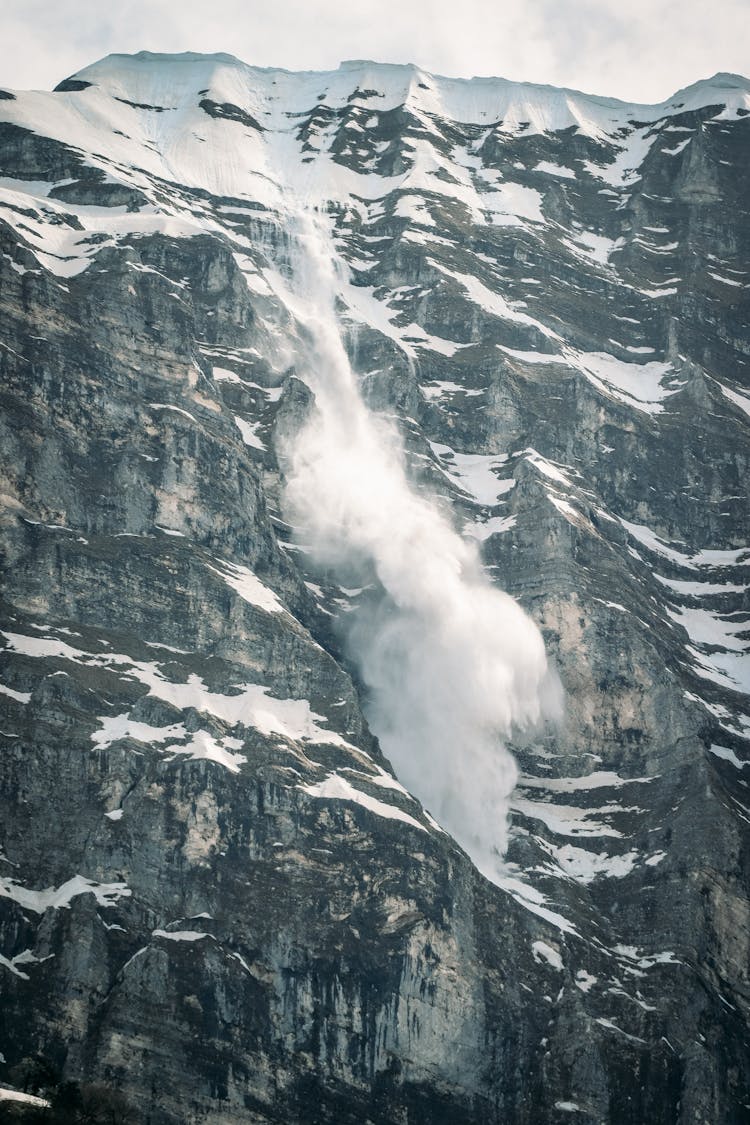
(725, 78)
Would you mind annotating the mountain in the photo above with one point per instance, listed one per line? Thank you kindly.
(375, 461)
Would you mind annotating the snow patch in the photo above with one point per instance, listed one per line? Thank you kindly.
(19, 696)
(545, 953)
(337, 788)
(249, 434)
(56, 898)
(181, 935)
(247, 584)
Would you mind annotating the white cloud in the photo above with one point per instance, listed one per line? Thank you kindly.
(641, 53)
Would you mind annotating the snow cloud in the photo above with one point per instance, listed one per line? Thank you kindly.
(643, 51)
(452, 664)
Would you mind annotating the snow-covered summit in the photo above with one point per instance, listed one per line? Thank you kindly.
(216, 123)
(149, 79)
(358, 133)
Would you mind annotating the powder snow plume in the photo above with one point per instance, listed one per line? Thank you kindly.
(452, 664)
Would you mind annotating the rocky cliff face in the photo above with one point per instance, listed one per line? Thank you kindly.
(214, 892)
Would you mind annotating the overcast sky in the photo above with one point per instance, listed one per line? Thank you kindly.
(639, 50)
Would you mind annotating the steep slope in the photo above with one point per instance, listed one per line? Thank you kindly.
(214, 890)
